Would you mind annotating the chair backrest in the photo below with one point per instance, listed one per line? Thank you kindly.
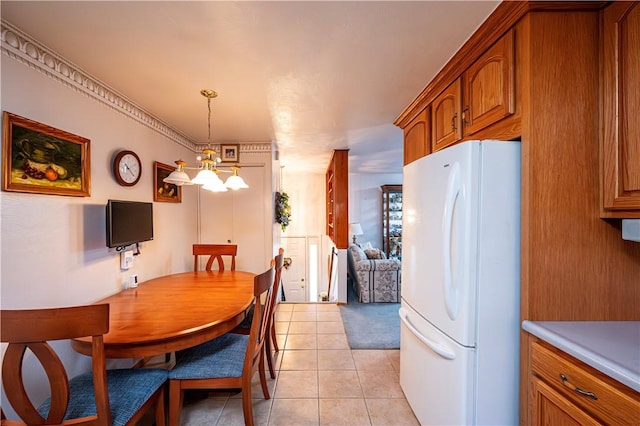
(279, 263)
(215, 252)
(33, 329)
(262, 290)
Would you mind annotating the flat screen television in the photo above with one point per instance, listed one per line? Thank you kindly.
(128, 222)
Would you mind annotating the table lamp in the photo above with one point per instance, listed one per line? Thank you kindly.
(355, 229)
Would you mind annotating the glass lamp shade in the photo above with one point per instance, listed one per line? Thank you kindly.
(206, 177)
(215, 187)
(235, 182)
(178, 178)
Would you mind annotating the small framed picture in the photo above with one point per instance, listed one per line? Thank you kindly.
(230, 153)
(41, 159)
(165, 192)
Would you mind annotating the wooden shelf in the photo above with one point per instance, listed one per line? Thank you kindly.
(337, 178)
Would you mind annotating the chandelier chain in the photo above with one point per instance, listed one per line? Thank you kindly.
(209, 121)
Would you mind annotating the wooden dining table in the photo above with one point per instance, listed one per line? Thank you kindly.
(173, 312)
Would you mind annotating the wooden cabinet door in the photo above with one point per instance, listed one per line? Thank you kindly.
(621, 111)
(417, 137)
(489, 86)
(446, 117)
(548, 407)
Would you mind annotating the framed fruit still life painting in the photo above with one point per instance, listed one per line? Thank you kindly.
(41, 159)
(163, 191)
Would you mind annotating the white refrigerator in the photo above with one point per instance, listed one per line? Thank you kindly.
(460, 307)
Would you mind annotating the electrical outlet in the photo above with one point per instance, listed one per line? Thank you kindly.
(126, 259)
(133, 281)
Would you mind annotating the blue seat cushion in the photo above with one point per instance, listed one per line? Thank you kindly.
(220, 357)
(128, 388)
(246, 322)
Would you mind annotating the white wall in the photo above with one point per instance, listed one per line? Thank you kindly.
(365, 203)
(243, 217)
(307, 197)
(53, 248)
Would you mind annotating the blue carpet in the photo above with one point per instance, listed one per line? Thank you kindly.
(370, 325)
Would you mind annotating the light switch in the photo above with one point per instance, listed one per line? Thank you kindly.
(631, 229)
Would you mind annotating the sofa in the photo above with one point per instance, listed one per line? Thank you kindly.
(375, 278)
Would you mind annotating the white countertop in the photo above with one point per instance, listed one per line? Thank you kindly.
(611, 347)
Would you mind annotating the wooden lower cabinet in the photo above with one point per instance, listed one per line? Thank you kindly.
(565, 391)
(548, 407)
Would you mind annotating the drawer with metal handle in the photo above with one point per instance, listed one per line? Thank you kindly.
(584, 386)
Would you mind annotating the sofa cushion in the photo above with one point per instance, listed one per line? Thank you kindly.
(357, 253)
(374, 254)
(378, 265)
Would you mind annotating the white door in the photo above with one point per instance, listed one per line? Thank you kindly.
(237, 217)
(436, 373)
(439, 242)
(293, 276)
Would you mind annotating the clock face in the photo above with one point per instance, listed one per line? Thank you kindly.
(126, 167)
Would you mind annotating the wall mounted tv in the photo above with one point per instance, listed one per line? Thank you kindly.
(128, 222)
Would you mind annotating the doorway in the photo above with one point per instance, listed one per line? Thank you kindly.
(300, 276)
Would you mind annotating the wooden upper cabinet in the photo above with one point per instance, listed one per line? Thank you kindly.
(446, 125)
(489, 86)
(337, 185)
(620, 145)
(417, 137)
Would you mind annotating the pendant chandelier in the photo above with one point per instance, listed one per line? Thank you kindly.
(208, 167)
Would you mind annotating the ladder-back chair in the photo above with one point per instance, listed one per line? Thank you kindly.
(226, 362)
(215, 252)
(99, 397)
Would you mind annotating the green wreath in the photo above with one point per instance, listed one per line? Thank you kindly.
(283, 210)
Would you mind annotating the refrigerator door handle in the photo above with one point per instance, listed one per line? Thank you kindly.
(438, 348)
(451, 292)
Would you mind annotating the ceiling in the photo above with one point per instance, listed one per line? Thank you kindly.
(309, 76)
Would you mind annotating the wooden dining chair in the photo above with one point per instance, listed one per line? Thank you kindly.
(244, 327)
(272, 329)
(100, 397)
(227, 362)
(215, 252)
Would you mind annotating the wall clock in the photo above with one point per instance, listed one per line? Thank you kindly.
(127, 168)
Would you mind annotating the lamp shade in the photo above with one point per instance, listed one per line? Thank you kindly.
(235, 182)
(355, 229)
(178, 178)
(206, 177)
(215, 185)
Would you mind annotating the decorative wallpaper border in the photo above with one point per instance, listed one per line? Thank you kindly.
(21, 47)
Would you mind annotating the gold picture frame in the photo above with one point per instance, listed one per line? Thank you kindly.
(165, 192)
(230, 153)
(41, 159)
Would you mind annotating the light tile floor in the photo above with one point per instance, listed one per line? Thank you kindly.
(319, 380)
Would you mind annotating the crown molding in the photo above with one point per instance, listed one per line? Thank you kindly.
(21, 47)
